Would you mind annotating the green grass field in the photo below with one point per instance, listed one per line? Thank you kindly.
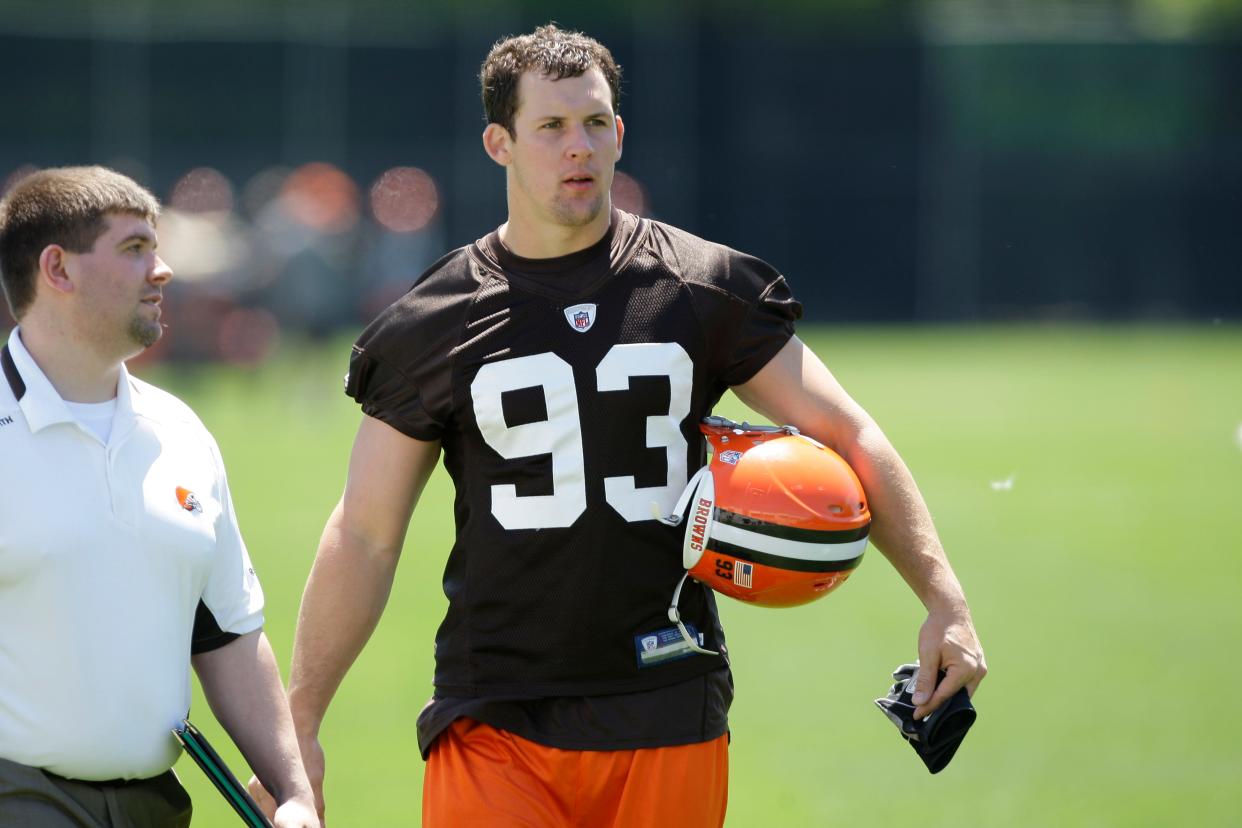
(1104, 583)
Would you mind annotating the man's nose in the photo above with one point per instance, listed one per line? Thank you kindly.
(162, 274)
(580, 145)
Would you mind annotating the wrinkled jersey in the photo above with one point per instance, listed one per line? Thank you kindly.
(567, 395)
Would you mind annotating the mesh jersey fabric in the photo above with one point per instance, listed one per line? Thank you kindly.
(558, 437)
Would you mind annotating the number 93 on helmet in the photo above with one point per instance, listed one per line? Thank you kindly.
(775, 518)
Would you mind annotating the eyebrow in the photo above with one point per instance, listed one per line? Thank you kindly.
(143, 237)
(599, 114)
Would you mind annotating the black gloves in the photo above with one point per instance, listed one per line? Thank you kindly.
(935, 740)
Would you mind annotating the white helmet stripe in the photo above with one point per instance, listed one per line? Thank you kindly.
(787, 548)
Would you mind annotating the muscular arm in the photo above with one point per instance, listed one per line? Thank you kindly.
(352, 574)
(795, 388)
(242, 685)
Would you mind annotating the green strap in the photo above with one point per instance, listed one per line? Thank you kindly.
(226, 783)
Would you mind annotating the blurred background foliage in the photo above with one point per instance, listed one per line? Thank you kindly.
(1149, 18)
(948, 160)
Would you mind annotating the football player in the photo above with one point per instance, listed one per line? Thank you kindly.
(561, 366)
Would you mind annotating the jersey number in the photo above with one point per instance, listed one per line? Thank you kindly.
(561, 434)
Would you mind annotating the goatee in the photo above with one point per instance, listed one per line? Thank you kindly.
(146, 333)
(567, 216)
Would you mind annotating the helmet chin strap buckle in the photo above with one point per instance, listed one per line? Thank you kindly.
(667, 520)
(674, 615)
(679, 510)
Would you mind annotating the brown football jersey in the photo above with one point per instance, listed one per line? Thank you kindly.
(567, 395)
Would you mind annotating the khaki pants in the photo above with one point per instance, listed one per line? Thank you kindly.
(31, 798)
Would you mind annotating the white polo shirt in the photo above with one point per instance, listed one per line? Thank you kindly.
(106, 552)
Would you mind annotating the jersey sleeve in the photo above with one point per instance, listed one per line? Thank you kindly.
(232, 601)
(389, 395)
(744, 308)
(767, 325)
(400, 370)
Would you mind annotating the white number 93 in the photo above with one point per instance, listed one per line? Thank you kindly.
(560, 435)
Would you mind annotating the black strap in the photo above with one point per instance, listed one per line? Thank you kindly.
(10, 372)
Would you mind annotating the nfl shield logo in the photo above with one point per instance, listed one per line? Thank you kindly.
(649, 643)
(730, 457)
(581, 317)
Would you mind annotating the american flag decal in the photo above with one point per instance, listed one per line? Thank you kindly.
(742, 574)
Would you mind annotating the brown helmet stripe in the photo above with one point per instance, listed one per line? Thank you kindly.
(775, 530)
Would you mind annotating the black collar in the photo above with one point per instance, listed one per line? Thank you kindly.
(10, 373)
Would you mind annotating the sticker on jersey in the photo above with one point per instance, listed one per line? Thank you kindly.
(188, 501)
(731, 457)
(581, 317)
(743, 574)
(664, 645)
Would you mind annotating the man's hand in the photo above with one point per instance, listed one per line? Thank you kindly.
(296, 814)
(947, 641)
(313, 760)
(261, 797)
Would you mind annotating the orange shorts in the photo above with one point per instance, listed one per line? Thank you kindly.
(479, 776)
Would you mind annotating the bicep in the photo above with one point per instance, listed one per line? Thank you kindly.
(219, 667)
(387, 473)
(796, 388)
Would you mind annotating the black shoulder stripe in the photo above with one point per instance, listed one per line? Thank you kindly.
(774, 530)
(207, 634)
(10, 373)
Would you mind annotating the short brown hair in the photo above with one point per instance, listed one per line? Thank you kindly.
(551, 52)
(65, 206)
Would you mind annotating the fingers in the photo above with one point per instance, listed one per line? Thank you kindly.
(317, 788)
(952, 682)
(261, 797)
(295, 814)
(946, 643)
(973, 684)
(925, 685)
(315, 763)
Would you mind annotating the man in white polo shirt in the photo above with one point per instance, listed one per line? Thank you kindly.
(120, 557)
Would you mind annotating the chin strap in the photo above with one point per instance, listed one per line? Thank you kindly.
(674, 615)
(675, 519)
(679, 510)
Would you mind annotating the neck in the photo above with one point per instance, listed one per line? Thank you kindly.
(537, 240)
(77, 371)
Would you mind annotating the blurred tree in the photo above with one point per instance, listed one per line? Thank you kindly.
(401, 21)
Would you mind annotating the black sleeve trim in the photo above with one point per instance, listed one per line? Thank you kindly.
(207, 635)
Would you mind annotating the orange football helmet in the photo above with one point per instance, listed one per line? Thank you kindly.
(774, 519)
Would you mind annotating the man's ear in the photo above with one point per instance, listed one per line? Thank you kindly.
(620, 134)
(54, 269)
(497, 144)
